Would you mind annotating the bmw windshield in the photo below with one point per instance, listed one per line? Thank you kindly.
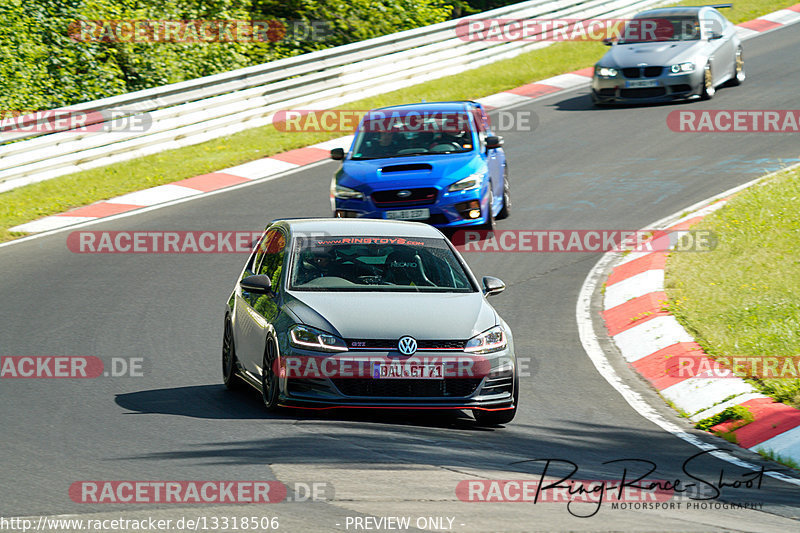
(377, 264)
(659, 29)
(409, 133)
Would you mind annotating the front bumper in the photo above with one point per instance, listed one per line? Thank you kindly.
(449, 210)
(490, 386)
(665, 88)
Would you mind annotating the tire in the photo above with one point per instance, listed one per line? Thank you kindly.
(496, 418)
(490, 224)
(738, 69)
(230, 365)
(708, 90)
(506, 210)
(269, 379)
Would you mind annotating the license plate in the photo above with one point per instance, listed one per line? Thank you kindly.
(407, 371)
(409, 214)
(641, 84)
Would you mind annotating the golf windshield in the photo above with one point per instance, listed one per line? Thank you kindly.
(377, 264)
(407, 133)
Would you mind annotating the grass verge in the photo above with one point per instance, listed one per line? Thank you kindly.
(741, 302)
(82, 188)
(786, 461)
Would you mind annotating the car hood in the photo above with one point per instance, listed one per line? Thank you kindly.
(370, 175)
(391, 315)
(656, 54)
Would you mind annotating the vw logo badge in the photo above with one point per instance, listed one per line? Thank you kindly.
(407, 345)
(404, 194)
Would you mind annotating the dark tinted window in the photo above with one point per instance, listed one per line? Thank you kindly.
(376, 264)
(411, 133)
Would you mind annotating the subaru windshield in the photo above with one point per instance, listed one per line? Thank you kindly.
(377, 264)
(409, 133)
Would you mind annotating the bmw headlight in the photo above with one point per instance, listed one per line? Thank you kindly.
(491, 340)
(473, 181)
(605, 72)
(345, 193)
(314, 339)
(682, 67)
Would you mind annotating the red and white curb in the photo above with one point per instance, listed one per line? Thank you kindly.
(196, 186)
(271, 166)
(655, 345)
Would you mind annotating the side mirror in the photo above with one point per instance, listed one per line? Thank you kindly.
(258, 284)
(713, 35)
(493, 141)
(492, 285)
(337, 154)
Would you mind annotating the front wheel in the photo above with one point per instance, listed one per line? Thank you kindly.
(489, 225)
(229, 363)
(269, 379)
(506, 210)
(708, 84)
(738, 69)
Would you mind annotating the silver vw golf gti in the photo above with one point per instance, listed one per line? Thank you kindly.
(363, 313)
(688, 53)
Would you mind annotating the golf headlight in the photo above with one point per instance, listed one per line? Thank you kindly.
(606, 72)
(473, 181)
(314, 339)
(491, 340)
(682, 67)
(345, 193)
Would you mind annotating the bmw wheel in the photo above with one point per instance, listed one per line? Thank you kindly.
(229, 363)
(738, 69)
(708, 90)
(269, 379)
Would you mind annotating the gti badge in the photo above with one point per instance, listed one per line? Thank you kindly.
(407, 345)
(404, 194)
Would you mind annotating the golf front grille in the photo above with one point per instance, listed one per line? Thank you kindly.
(408, 388)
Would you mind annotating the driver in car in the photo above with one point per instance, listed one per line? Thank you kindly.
(316, 264)
(383, 144)
(450, 140)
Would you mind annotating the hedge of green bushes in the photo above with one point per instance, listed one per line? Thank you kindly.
(43, 67)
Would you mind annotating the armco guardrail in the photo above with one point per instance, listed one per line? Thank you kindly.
(198, 110)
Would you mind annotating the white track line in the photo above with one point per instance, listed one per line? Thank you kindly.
(583, 314)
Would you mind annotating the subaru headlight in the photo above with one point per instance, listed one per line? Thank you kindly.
(345, 193)
(314, 339)
(682, 67)
(605, 72)
(473, 181)
(491, 340)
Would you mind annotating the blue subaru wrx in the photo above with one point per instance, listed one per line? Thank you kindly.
(435, 162)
